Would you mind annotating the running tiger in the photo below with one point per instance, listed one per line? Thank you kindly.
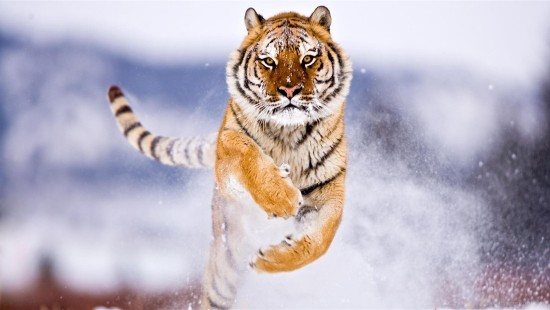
(281, 146)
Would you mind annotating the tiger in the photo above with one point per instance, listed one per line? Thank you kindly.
(281, 146)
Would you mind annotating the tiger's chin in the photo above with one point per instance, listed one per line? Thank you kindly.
(291, 117)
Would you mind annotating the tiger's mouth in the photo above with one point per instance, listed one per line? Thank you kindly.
(298, 111)
(287, 107)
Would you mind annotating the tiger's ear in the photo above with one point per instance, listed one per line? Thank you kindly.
(321, 16)
(252, 19)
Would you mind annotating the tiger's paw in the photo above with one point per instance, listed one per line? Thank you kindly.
(277, 195)
(289, 255)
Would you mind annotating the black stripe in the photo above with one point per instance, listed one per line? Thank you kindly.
(237, 64)
(223, 276)
(305, 210)
(306, 191)
(246, 132)
(331, 150)
(287, 19)
(248, 56)
(233, 263)
(131, 127)
(170, 150)
(217, 275)
(244, 94)
(337, 52)
(217, 289)
(311, 127)
(278, 24)
(257, 99)
(236, 76)
(329, 55)
(186, 151)
(229, 254)
(343, 79)
(331, 79)
(200, 153)
(240, 62)
(296, 27)
(123, 109)
(267, 130)
(271, 41)
(293, 132)
(335, 92)
(214, 305)
(309, 131)
(338, 89)
(256, 73)
(320, 67)
(114, 92)
(332, 49)
(297, 20)
(285, 23)
(154, 144)
(254, 84)
(333, 73)
(142, 136)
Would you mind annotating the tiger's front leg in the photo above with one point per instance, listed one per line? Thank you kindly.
(318, 227)
(240, 160)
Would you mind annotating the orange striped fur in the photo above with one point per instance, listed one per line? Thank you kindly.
(281, 145)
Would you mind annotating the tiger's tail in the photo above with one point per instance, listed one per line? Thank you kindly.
(192, 152)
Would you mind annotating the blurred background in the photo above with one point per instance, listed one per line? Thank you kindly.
(448, 200)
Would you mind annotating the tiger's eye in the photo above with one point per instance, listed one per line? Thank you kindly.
(269, 63)
(307, 59)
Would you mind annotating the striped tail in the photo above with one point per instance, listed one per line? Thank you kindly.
(192, 152)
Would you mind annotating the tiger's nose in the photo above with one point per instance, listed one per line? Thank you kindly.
(290, 92)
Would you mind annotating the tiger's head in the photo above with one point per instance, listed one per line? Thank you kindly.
(288, 71)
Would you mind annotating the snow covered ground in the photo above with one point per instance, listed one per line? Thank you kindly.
(421, 221)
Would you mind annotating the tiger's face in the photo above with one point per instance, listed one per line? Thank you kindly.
(288, 71)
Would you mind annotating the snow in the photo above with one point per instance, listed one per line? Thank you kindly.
(393, 242)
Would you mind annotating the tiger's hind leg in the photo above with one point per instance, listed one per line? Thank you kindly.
(221, 280)
(225, 266)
